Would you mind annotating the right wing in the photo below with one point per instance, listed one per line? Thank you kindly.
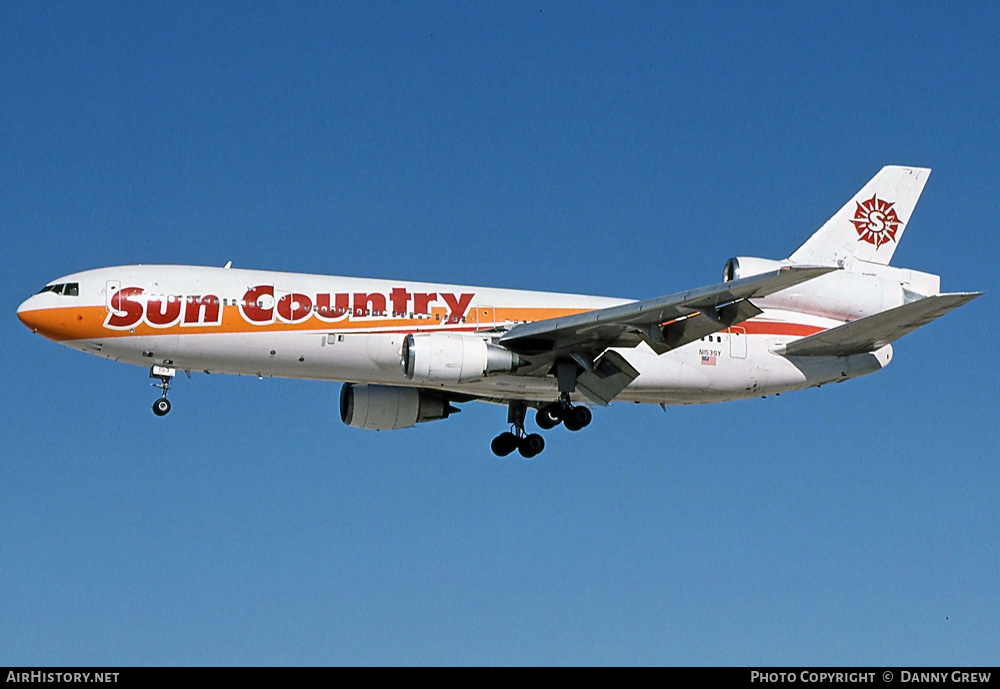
(874, 332)
(665, 323)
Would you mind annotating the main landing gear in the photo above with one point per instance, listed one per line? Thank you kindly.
(527, 444)
(551, 415)
(562, 412)
(162, 373)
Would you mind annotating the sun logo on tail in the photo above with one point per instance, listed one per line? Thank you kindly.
(876, 221)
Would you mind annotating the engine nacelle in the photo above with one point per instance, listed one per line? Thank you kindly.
(445, 358)
(386, 408)
(747, 266)
(841, 295)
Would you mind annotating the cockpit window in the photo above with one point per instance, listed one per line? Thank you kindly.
(68, 289)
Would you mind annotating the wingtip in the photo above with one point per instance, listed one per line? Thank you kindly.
(962, 296)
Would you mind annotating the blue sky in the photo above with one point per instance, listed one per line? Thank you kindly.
(575, 147)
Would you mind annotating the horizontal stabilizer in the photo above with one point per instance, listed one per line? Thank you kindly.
(874, 332)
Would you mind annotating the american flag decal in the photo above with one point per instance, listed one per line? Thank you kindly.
(707, 360)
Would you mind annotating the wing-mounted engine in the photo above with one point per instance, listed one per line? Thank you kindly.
(386, 408)
(841, 295)
(445, 358)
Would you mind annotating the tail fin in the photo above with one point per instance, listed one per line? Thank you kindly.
(870, 225)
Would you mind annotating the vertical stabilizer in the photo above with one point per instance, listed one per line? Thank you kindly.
(870, 225)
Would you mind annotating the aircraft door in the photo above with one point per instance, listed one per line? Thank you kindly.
(111, 287)
(738, 343)
(484, 317)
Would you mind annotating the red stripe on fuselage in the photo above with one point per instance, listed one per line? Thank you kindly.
(775, 328)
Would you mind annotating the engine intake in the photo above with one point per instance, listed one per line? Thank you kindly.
(747, 266)
(445, 358)
(386, 408)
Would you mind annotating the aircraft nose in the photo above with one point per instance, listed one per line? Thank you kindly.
(26, 313)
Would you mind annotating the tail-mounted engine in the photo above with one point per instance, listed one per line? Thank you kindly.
(444, 358)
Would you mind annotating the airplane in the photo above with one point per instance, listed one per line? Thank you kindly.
(408, 352)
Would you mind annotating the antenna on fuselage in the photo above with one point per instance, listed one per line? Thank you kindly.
(229, 264)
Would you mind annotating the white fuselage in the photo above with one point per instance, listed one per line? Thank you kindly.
(290, 325)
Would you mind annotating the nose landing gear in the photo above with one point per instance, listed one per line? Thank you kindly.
(162, 373)
(161, 406)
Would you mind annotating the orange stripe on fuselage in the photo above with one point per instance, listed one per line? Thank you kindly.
(87, 323)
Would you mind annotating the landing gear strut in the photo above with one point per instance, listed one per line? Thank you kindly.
(162, 373)
(528, 445)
